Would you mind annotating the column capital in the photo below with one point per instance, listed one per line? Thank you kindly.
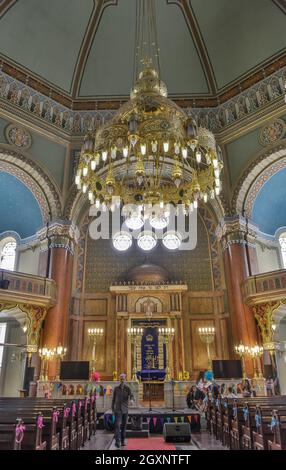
(236, 230)
(59, 234)
(264, 316)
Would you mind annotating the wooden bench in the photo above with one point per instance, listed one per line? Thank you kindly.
(20, 436)
(67, 424)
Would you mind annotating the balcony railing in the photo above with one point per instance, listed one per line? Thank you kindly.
(265, 287)
(23, 287)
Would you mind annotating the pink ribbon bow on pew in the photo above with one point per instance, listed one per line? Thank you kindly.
(66, 412)
(20, 428)
(56, 416)
(40, 422)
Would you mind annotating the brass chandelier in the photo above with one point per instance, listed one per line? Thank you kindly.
(151, 153)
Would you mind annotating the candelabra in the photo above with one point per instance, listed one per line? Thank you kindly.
(94, 334)
(135, 334)
(256, 352)
(59, 354)
(242, 351)
(207, 335)
(168, 336)
(46, 355)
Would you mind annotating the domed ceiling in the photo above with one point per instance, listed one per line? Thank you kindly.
(84, 49)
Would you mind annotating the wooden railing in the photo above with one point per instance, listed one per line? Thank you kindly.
(27, 287)
(265, 287)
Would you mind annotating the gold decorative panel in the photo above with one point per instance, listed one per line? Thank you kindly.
(201, 305)
(198, 348)
(95, 307)
(100, 348)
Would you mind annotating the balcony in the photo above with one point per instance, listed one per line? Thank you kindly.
(265, 287)
(26, 288)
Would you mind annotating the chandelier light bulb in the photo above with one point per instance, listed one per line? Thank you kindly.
(93, 165)
(113, 153)
(205, 197)
(216, 173)
(195, 204)
(104, 155)
(143, 149)
(198, 156)
(184, 152)
(90, 195)
(154, 146)
(77, 180)
(97, 203)
(217, 190)
(125, 152)
(215, 162)
(161, 204)
(85, 171)
(177, 149)
(217, 182)
(166, 147)
(212, 194)
(84, 188)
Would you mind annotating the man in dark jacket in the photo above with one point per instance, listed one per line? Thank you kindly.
(121, 394)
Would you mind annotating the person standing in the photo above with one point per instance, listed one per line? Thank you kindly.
(120, 402)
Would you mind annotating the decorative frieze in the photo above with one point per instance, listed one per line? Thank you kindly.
(80, 122)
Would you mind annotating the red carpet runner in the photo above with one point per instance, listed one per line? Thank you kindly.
(148, 443)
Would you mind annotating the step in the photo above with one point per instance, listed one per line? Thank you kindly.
(143, 427)
(130, 433)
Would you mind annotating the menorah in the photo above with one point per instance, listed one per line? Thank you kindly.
(135, 335)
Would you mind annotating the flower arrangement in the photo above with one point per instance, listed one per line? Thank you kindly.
(95, 377)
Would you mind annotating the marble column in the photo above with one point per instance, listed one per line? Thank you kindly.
(59, 241)
(240, 260)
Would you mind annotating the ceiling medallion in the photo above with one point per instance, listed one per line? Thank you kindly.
(18, 136)
(151, 153)
(272, 132)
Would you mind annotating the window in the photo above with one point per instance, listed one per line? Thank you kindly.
(282, 241)
(3, 327)
(8, 254)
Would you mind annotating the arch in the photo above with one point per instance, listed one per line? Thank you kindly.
(36, 180)
(262, 167)
(148, 305)
(9, 261)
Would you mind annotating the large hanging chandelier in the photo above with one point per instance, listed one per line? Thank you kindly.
(151, 153)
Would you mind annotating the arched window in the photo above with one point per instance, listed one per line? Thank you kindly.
(8, 253)
(282, 241)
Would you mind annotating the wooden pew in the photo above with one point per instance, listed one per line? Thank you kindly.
(21, 436)
(69, 426)
(264, 426)
(278, 425)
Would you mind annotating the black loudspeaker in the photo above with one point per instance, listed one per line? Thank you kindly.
(177, 432)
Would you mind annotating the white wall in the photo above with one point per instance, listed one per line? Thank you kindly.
(28, 260)
(268, 258)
